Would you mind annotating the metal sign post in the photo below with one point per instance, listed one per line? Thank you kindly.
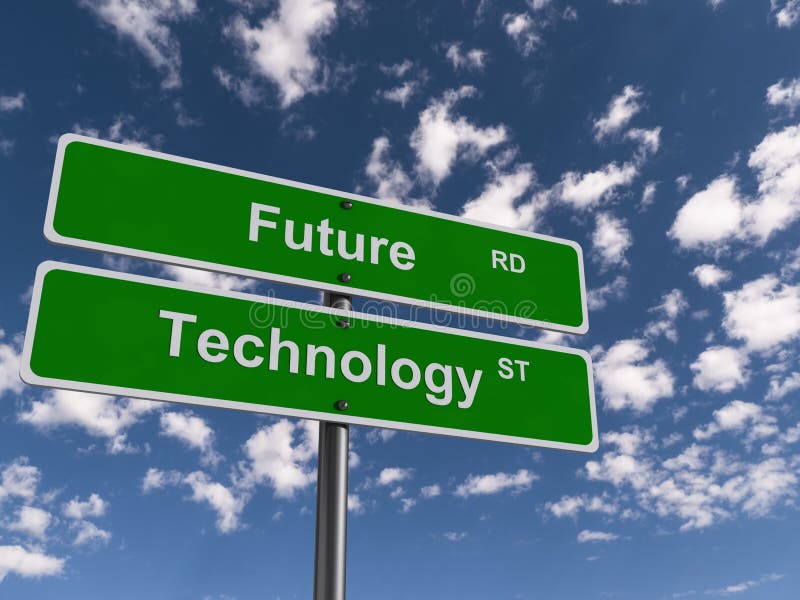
(186, 344)
(331, 538)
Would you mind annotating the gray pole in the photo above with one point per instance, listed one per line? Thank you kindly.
(331, 542)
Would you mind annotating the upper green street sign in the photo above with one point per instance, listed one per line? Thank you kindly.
(136, 202)
(122, 334)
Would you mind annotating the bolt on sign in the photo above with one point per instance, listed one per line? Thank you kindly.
(137, 202)
(115, 333)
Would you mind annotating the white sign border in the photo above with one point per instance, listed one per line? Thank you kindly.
(28, 376)
(53, 236)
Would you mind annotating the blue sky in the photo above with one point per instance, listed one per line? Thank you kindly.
(662, 136)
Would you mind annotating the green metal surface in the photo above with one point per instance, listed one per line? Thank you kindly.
(100, 331)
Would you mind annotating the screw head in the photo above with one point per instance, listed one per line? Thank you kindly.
(341, 405)
(345, 277)
(343, 323)
(346, 204)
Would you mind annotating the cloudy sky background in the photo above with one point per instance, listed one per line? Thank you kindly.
(662, 136)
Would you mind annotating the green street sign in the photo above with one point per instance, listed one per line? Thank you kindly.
(116, 333)
(136, 202)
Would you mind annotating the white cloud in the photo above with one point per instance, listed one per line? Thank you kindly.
(522, 29)
(627, 381)
(9, 369)
(648, 194)
(401, 93)
(19, 479)
(123, 130)
(710, 276)
(430, 491)
(699, 487)
(629, 441)
(454, 536)
(354, 504)
(388, 176)
(145, 23)
(28, 563)
(88, 532)
(744, 586)
(398, 69)
(227, 502)
(785, 94)
(15, 102)
(571, 506)
(281, 48)
(156, 479)
(471, 60)
(672, 305)
(584, 190)
(191, 430)
(440, 138)
(77, 509)
(406, 504)
(780, 387)
(380, 435)
(598, 298)
(99, 415)
(769, 482)
(739, 416)
(621, 110)
(208, 279)
(32, 521)
(6, 146)
(719, 214)
(611, 239)
(498, 202)
(279, 455)
(764, 313)
(776, 161)
(220, 498)
(478, 485)
(596, 536)
(245, 89)
(787, 12)
(720, 368)
(649, 141)
(710, 216)
(392, 475)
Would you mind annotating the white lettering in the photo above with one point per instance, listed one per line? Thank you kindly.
(375, 249)
(469, 388)
(178, 319)
(205, 343)
(505, 371)
(446, 387)
(238, 351)
(415, 374)
(324, 231)
(359, 252)
(275, 345)
(517, 263)
(257, 222)
(402, 251)
(311, 360)
(308, 232)
(366, 366)
(499, 258)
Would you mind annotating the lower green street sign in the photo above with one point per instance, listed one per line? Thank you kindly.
(122, 334)
(137, 202)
